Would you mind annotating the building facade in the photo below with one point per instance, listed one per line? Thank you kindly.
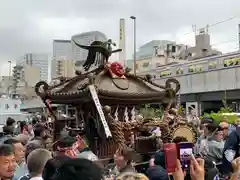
(61, 64)
(5, 84)
(24, 80)
(62, 68)
(79, 55)
(158, 53)
(35, 60)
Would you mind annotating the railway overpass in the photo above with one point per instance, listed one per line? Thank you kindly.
(206, 81)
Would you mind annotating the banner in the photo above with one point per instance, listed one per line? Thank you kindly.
(100, 111)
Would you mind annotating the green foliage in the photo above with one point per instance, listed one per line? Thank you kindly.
(181, 110)
(219, 116)
(149, 112)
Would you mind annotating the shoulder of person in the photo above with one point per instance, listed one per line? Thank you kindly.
(26, 177)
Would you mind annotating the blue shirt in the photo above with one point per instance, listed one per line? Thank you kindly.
(20, 171)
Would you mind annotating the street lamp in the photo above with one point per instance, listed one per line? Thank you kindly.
(134, 45)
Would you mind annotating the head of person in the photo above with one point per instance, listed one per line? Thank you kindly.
(218, 134)
(23, 126)
(132, 176)
(52, 166)
(224, 126)
(204, 122)
(180, 139)
(36, 161)
(64, 146)
(31, 147)
(8, 130)
(10, 122)
(19, 149)
(237, 122)
(40, 131)
(210, 129)
(7, 161)
(157, 173)
(79, 169)
(123, 156)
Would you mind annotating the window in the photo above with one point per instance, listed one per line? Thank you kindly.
(6, 106)
(212, 65)
(165, 73)
(145, 65)
(198, 68)
(180, 71)
(195, 68)
(191, 68)
(232, 62)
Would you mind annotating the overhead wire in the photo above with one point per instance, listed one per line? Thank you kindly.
(214, 24)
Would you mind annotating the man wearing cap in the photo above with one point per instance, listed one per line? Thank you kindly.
(64, 146)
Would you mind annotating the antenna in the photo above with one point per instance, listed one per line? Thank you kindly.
(207, 27)
(194, 28)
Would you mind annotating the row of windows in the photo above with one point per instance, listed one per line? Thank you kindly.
(200, 67)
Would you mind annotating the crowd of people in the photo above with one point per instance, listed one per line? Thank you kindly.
(24, 155)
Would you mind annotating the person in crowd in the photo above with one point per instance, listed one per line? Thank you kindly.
(8, 162)
(84, 150)
(52, 166)
(8, 134)
(64, 146)
(215, 145)
(236, 169)
(200, 146)
(231, 150)
(205, 132)
(193, 118)
(36, 162)
(225, 127)
(40, 134)
(26, 129)
(79, 169)
(123, 158)
(11, 122)
(132, 176)
(22, 138)
(157, 172)
(19, 156)
(29, 148)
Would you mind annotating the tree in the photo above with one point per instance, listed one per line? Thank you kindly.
(224, 111)
(148, 112)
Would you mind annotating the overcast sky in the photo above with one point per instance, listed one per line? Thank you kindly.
(28, 26)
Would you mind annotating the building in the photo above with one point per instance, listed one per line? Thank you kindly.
(24, 80)
(62, 68)
(36, 61)
(79, 55)
(202, 47)
(62, 64)
(159, 53)
(205, 82)
(156, 53)
(5, 84)
(62, 48)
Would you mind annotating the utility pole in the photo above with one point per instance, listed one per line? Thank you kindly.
(134, 45)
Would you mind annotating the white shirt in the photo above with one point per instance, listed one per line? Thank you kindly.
(36, 178)
(157, 132)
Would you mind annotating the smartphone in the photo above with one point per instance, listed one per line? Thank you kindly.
(170, 153)
(185, 151)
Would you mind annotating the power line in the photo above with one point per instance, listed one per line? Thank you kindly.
(214, 24)
(225, 42)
